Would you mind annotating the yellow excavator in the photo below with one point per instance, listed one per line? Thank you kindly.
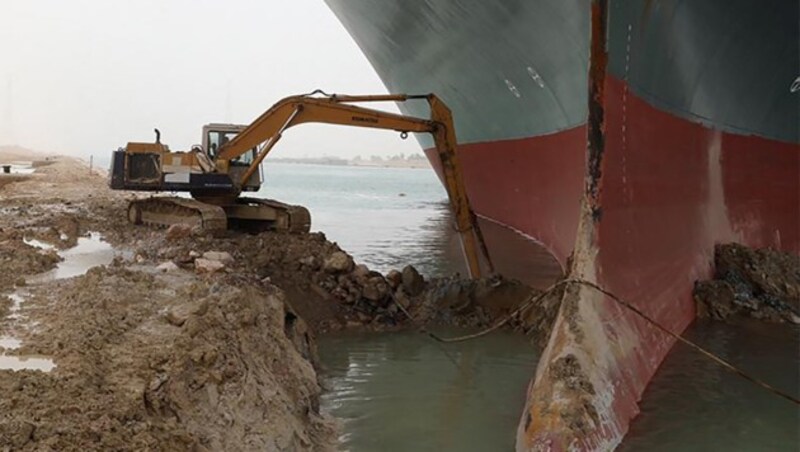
(227, 163)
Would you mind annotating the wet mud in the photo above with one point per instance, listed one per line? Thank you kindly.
(182, 340)
(758, 283)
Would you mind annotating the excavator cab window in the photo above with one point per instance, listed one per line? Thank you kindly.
(245, 159)
(217, 139)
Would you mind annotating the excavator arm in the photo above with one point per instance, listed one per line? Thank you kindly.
(268, 128)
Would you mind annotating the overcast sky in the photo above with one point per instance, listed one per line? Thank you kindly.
(83, 77)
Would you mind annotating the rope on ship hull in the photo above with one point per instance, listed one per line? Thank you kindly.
(535, 299)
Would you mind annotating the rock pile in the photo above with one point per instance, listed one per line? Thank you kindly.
(763, 283)
(329, 289)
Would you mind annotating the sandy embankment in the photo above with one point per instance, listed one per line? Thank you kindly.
(144, 359)
(181, 359)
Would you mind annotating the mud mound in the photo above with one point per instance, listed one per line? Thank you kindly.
(472, 303)
(8, 179)
(18, 259)
(163, 362)
(5, 306)
(329, 290)
(763, 284)
(60, 230)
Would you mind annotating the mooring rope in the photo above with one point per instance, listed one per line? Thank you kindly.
(535, 299)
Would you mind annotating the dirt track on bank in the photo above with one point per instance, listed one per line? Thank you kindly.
(150, 351)
(145, 359)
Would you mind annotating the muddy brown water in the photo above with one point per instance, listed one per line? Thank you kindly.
(692, 404)
(403, 391)
(400, 392)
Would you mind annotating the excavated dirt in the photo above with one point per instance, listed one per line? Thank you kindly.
(7, 179)
(162, 361)
(18, 259)
(5, 306)
(327, 288)
(758, 283)
(188, 341)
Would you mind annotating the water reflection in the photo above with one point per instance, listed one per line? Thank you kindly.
(89, 252)
(360, 209)
(694, 404)
(26, 363)
(402, 391)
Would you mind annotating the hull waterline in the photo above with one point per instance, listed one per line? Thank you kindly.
(702, 104)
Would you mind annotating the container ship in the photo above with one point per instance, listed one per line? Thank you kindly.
(701, 119)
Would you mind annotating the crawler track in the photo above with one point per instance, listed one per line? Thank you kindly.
(168, 210)
(252, 214)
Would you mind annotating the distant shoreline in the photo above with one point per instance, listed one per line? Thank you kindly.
(398, 163)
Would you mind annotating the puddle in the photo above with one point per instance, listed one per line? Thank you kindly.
(89, 252)
(17, 298)
(10, 343)
(26, 363)
(38, 244)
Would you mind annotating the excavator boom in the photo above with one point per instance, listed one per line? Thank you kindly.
(231, 176)
(268, 128)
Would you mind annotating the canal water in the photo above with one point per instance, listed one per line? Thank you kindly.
(406, 392)
(403, 391)
(693, 404)
(383, 216)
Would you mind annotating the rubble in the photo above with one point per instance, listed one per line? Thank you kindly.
(221, 356)
(413, 282)
(394, 278)
(203, 265)
(220, 256)
(178, 231)
(759, 283)
(167, 267)
(338, 262)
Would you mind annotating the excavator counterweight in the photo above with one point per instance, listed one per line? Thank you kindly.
(228, 163)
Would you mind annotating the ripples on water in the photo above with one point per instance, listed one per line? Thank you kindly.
(390, 217)
(382, 216)
(693, 404)
(403, 391)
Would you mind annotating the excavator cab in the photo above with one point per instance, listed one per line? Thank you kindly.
(215, 136)
(153, 167)
(215, 184)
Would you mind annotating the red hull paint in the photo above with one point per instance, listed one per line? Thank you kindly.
(670, 190)
(533, 185)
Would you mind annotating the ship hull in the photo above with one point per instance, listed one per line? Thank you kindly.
(702, 109)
